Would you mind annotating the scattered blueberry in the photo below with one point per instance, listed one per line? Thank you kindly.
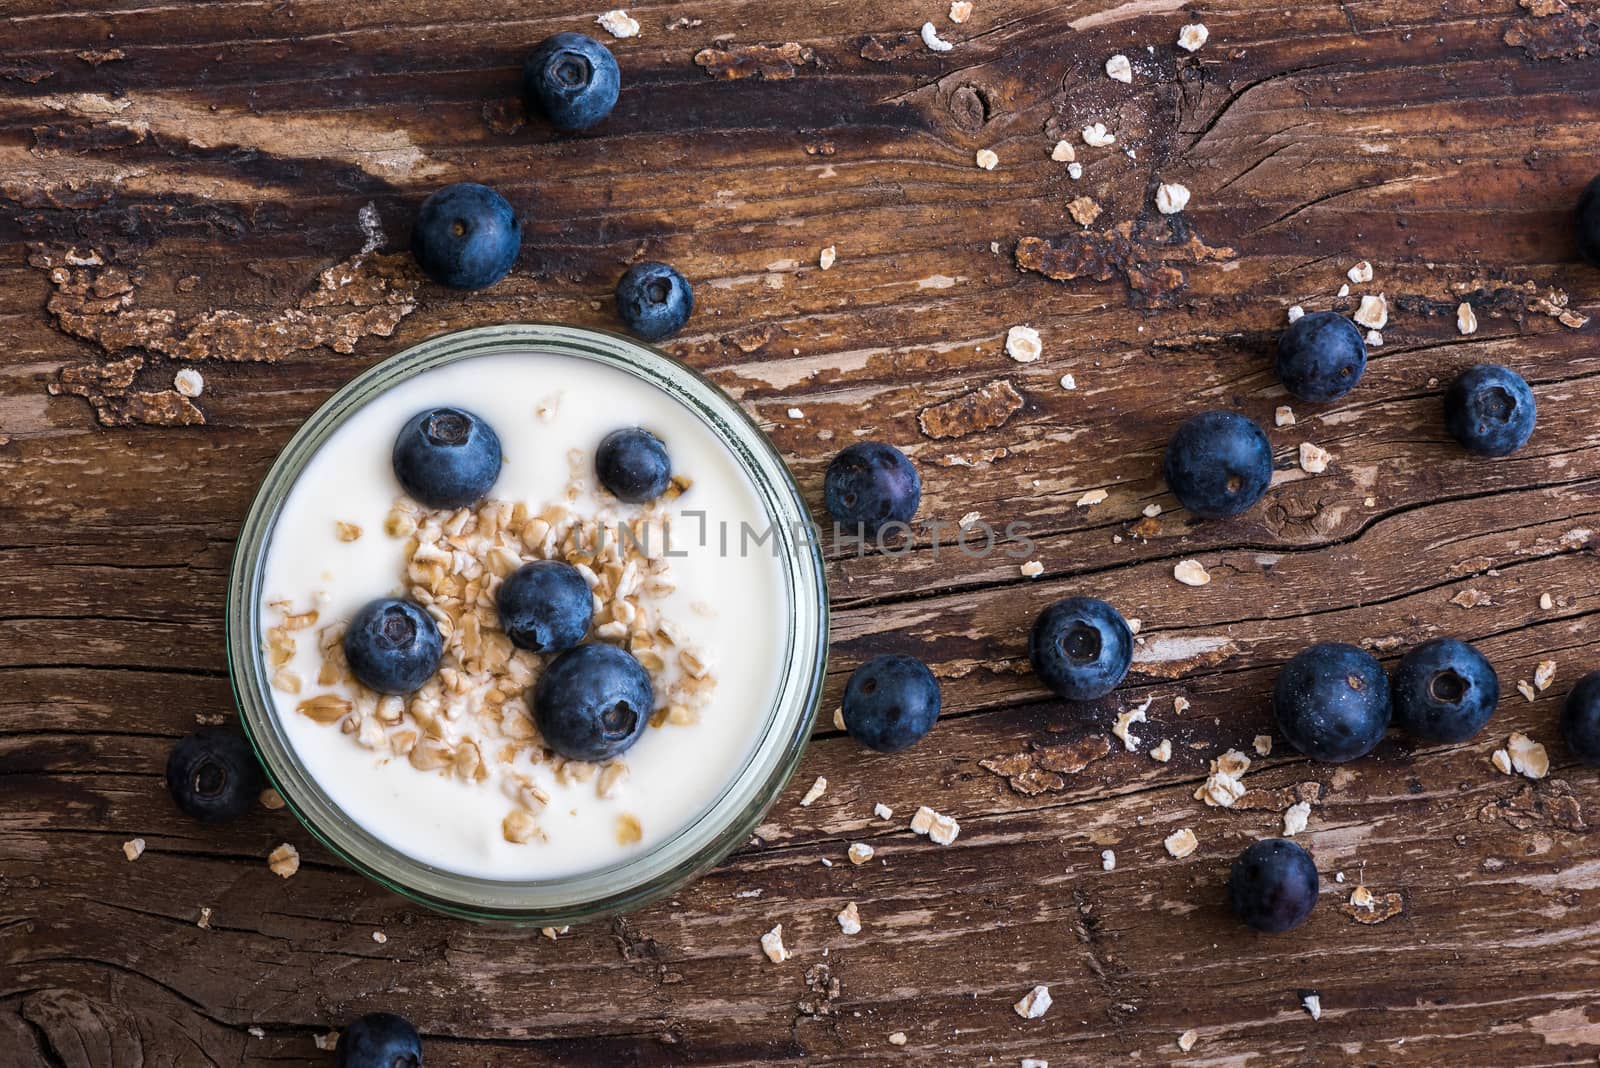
(654, 300)
(1321, 356)
(1332, 702)
(1444, 690)
(1580, 719)
(633, 464)
(545, 606)
(393, 646)
(593, 702)
(1081, 648)
(869, 484)
(571, 80)
(213, 774)
(466, 236)
(1218, 464)
(379, 1040)
(890, 702)
(1490, 410)
(1589, 222)
(447, 457)
(1273, 885)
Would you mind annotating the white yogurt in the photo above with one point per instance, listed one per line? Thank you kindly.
(731, 605)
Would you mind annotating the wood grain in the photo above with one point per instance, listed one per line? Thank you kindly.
(228, 186)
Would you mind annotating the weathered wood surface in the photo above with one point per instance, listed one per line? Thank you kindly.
(176, 179)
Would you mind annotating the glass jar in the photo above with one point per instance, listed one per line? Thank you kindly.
(725, 823)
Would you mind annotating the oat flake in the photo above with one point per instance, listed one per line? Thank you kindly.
(1284, 416)
(1373, 312)
(960, 11)
(1162, 752)
(1181, 843)
(883, 811)
(1022, 344)
(1093, 497)
(189, 382)
(826, 257)
(1294, 818)
(1466, 319)
(133, 848)
(1187, 1040)
(1108, 860)
(1063, 152)
(1313, 1005)
(1119, 69)
(1193, 36)
(859, 852)
(1031, 569)
(987, 159)
(1191, 573)
(1262, 744)
(898, 1038)
(284, 861)
(931, 38)
(1034, 1004)
(772, 945)
(1068, 382)
(1360, 273)
(1501, 760)
(1526, 690)
(1171, 198)
(1296, 313)
(1544, 674)
(818, 788)
(1097, 136)
(618, 23)
(1313, 459)
(1528, 757)
(1074, 171)
(849, 919)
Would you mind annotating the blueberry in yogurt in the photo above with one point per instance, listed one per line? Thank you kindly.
(633, 464)
(1580, 719)
(379, 1040)
(1081, 648)
(545, 606)
(890, 702)
(213, 774)
(447, 457)
(1321, 356)
(870, 484)
(572, 80)
(466, 236)
(1273, 885)
(1332, 702)
(593, 702)
(1489, 409)
(1218, 464)
(393, 646)
(654, 300)
(1444, 690)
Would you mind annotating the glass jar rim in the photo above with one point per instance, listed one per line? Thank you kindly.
(725, 823)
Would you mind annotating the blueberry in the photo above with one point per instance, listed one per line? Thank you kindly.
(869, 484)
(447, 457)
(1580, 719)
(633, 464)
(1589, 222)
(593, 702)
(654, 300)
(1332, 702)
(1273, 885)
(1321, 356)
(545, 606)
(890, 702)
(571, 80)
(1218, 464)
(1081, 648)
(213, 774)
(393, 646)
(379, 1040)
(1444, 690)
(1490, 410)
(466, 236)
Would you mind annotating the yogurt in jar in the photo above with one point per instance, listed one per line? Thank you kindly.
(707, 614)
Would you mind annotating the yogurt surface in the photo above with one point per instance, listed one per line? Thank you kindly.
(729, 602)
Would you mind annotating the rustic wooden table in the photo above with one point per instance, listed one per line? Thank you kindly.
(228, 186)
